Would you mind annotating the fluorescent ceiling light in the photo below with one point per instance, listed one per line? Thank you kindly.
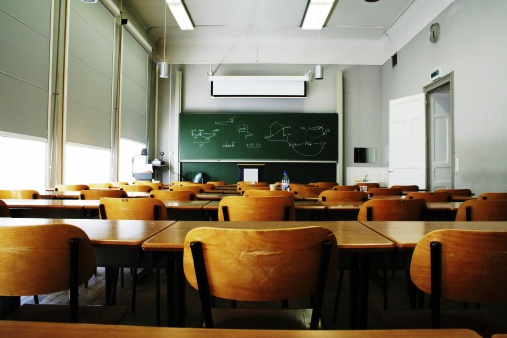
(89, 1)
(316, 14)
(180, 13)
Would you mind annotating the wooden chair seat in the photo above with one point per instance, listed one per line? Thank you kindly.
(256, 266)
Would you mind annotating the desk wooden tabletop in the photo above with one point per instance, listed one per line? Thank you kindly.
(57, 330)
(406, 235)
(350, 235)
(51, 203)
(103, 232)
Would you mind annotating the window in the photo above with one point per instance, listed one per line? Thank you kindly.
(86, 164)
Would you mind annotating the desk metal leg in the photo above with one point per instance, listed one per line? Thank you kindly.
(171, 286)
(354, 291)
(364, 270)
(111, 281)
(180, 290)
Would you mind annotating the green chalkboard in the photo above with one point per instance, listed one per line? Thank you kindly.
(259, 137)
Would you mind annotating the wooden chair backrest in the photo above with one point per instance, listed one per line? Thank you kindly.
(373, 192)
(368, 184)
(343, 196)
(246, 188)
(217, 183)
(136, 188)
(443, 196)
(346, 188)
(173, 195)
(259, 265)
(493, 196)
(100, 185)
(265, 192)
(193, 188)
(393, 210)
(20, 194)
(118, 184)
(36, 259)
(328, 185)
(473, 265)
(247, 185)
(482, 210)
(4, 209)
(301, 191)
(71, 187)
(154, 186)
(457, 192)
(132, 208)
(407, 187)
(272, 208)
(98, 194)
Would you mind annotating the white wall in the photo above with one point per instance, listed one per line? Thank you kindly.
(472, 45)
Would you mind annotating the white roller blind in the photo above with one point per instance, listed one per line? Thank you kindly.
(134, 92)
(25, 37)
(90, 74)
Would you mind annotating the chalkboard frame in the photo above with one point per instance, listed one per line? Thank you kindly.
(259, 137)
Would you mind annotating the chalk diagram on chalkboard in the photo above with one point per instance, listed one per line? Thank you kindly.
(243, 129)
(310, 148)
(201, 138)
(316, 131)
(277, 132)
(226, 122)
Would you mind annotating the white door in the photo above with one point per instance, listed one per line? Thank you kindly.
(440, 142)
(407, 141)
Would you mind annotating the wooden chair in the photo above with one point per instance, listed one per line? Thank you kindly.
(118, 184)
(193, 188)
(406, 188)
(392, 210)
(264, 192)
(98, 194)
(4, 209)
(443, 196)
(457, 192)
(245, 185)
(136, 209)
(306, 192)
(19, 194)
(346, 188)
(240, 208)
(369, 185)
(71, 187)
(154, 186)
(493, 196)
(100, 185)
(217, 183)
(42, 259)
(343, 196)
(329, 185)
(482, 210)
(259, 265)
(460, 265)
(136, 188)
(170, 195)
(375, 192)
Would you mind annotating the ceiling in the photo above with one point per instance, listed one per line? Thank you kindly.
(252, 23)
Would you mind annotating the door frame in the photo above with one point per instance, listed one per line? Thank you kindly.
(444, 80)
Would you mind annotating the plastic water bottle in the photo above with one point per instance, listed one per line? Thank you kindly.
(285, 181)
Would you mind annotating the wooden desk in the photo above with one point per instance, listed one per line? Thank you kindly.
(354, 240)
(116, 243)
(61, 330)
(406, 235)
